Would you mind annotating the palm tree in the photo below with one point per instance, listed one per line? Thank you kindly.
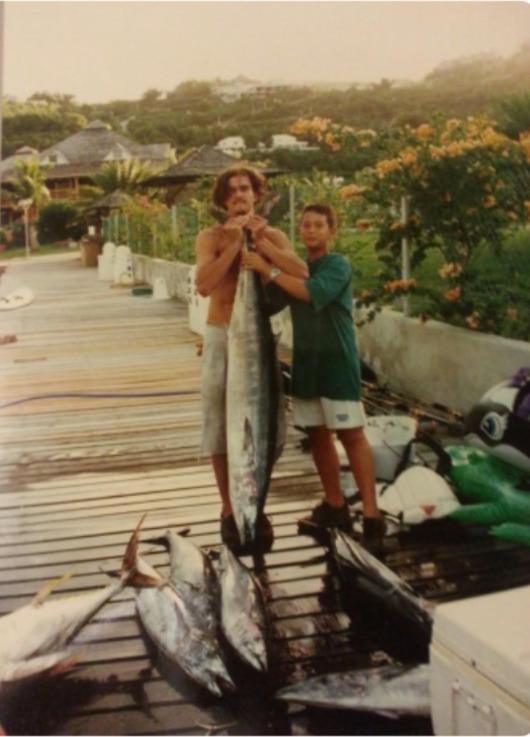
(29, 186)
(122, 175)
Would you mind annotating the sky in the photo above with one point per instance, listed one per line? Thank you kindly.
(110, 50)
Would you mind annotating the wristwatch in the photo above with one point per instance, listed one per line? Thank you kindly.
(275, 273)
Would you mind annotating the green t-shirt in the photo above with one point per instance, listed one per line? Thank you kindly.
(325, 359)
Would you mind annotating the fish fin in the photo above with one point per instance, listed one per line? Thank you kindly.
(143, 581)
(52, 664)
(43, 593)
(129, 559)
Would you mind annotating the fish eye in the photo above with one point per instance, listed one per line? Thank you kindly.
(493, 425)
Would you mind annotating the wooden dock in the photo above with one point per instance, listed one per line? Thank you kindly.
(99, 424)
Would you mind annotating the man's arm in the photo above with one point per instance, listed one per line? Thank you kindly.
(213, 262)
(275, 247)
(293, 285)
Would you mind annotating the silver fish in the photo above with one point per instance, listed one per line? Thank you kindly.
(194, 578)
(255, 404)
(391, 690)
(243, 613)
(175, 629)
(32, 637)
(379, 579)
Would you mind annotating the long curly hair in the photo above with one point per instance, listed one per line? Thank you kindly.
(220, 190)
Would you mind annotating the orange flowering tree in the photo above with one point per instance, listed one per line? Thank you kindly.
(466, 185)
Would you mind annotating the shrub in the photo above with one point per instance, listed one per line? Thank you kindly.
(58, 221)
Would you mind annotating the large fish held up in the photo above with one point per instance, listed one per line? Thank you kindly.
(255, 404)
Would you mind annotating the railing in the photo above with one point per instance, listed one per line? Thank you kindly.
(67, 193)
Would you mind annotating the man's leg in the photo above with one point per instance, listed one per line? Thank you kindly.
(362, 465)
(327, 463)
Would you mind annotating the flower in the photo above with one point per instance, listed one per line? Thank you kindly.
(399, 286)
(489, 201)
(386, 166)
(472, 321)
(424, 131)
(363, 224)
(450, 270)
(453, 295)
(351, 190)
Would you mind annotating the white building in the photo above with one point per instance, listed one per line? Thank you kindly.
(284, 140)
(232, 145)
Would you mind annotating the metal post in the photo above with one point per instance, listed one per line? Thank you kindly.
(291, 213)
(405, 253)
(174, 223)
(26, 205)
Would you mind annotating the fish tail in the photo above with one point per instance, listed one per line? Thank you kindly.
(129, 567)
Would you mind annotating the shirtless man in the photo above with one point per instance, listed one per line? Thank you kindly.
(218, 249)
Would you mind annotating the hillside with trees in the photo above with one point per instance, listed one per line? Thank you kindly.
(194, 113)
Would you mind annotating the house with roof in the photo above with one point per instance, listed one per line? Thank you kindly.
(75, 160)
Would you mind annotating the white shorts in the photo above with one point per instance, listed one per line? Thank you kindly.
(336, 414)
(213, 388)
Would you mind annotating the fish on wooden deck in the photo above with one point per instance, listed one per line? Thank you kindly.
(32, 637)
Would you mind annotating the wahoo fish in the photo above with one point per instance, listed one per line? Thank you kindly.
(193, 577)
(255, 404)
(243, 613)
(176, 630)
(390, 690)
(32, 637)
(374, 576)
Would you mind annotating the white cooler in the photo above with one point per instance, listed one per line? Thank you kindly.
(388, 436)
(480, 665)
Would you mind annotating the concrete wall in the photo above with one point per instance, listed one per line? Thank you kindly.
(431, 361)
(147, 269)
(438, 362)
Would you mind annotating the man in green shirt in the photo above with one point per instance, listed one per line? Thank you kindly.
(326, 377)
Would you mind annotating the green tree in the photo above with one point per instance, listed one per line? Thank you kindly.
(122, 175)
(467, 185)
(514, 114)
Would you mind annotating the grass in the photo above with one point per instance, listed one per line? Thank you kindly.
(43, 250)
